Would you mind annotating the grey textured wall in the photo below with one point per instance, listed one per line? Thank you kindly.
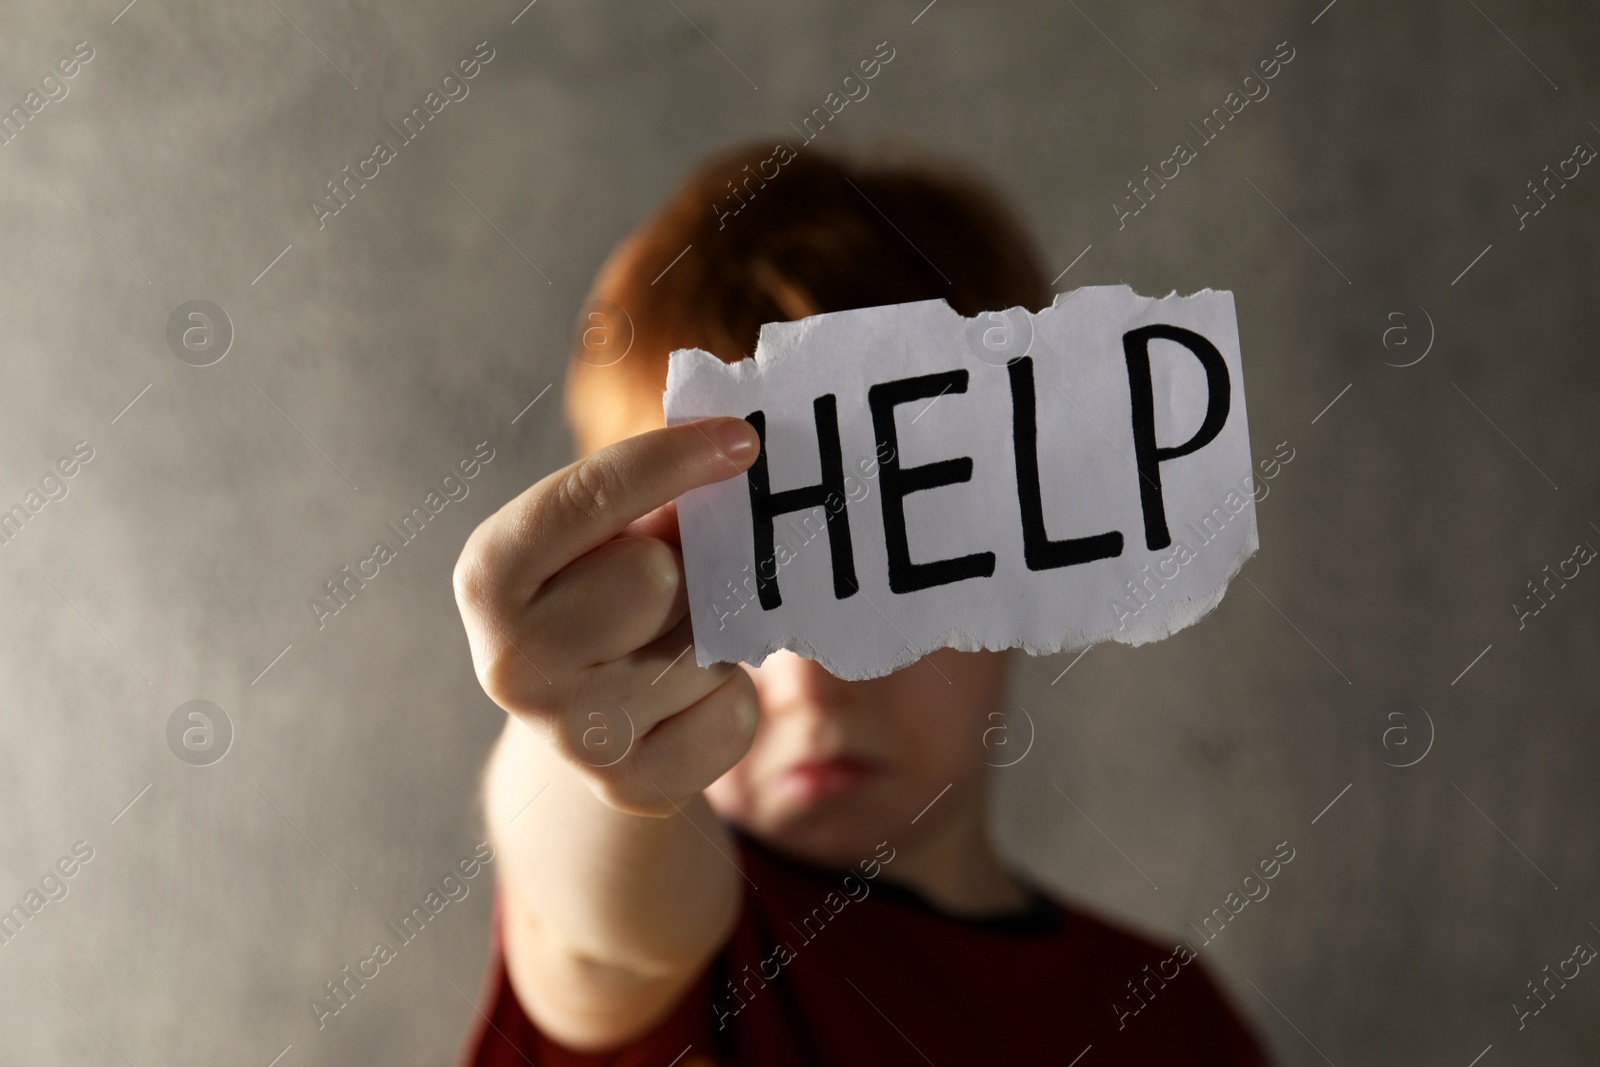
(381, 349)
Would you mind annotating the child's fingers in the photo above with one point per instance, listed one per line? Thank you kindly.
(598, 717)
(626, 696)
(660, 679)
(608, 602)
(588, 502)
(685, 752)
(661, 523)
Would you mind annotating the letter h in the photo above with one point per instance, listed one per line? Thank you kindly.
(765, 505)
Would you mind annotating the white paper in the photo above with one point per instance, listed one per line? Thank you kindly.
(1089, 482)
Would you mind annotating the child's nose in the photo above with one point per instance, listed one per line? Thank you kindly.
(788, 683)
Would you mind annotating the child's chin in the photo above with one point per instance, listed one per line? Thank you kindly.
(836, 838)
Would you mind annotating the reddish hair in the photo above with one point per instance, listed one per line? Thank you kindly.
(774, 234)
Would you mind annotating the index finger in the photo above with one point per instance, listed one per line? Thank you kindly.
(586, 503)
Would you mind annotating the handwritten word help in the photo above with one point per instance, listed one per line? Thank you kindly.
(1028, 468)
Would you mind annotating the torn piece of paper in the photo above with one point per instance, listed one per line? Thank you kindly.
(1045, 481)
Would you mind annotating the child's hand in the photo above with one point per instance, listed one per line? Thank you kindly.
(575, 605)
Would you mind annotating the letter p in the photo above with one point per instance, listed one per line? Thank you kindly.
(1147, 454)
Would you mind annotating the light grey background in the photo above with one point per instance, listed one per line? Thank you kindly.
(1386, 158)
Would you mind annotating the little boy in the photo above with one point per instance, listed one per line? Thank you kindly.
(764, 865)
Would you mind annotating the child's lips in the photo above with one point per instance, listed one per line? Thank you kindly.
(820, 779)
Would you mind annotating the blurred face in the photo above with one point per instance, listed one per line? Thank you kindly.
(836, 766)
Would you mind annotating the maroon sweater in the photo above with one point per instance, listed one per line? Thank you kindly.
(838, 968)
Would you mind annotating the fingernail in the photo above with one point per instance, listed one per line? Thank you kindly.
(738, 439)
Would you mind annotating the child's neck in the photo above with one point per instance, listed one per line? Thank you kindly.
(951, 861)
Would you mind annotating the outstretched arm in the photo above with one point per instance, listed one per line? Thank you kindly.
(574, 602)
